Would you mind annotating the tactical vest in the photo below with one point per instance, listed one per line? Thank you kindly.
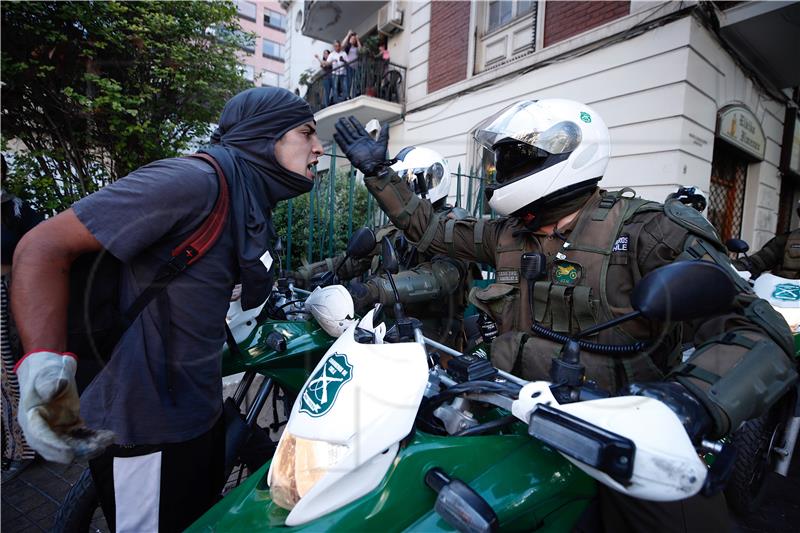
(574, 294)
(790, 265)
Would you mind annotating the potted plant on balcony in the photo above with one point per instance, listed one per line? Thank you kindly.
(373, 66)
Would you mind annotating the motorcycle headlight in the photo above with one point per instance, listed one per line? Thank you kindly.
(298, 465)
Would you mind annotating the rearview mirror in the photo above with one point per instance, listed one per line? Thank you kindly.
(361, 243)
(389, 257)
(737, 246)
(684, 290)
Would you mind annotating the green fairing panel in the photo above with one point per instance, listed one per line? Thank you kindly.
(527, 484)
(306, 343)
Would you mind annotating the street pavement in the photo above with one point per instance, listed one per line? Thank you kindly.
(30, 501)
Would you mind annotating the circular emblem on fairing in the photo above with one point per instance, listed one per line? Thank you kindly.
(324, 385)
(586, 117)
(788, 292)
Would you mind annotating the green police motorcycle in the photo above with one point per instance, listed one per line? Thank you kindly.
(380, 439)
(766, 444)
(276, 347)
(270, 352)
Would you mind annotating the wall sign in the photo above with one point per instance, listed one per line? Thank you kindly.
(740, 127)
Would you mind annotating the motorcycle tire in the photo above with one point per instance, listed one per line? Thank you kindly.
(754, 442)
(78, 508)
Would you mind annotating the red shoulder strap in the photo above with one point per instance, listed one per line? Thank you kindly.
(204, 237)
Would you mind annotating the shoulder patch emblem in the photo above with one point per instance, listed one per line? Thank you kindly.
(324, 385)
(621, 244)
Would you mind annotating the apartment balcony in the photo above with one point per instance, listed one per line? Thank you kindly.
(377, 91)
(328, 21)
(764, 34)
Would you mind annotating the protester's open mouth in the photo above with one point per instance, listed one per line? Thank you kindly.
(310, 168)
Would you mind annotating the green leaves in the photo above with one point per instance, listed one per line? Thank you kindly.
(93, 90)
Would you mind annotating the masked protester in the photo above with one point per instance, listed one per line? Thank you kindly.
(433, 287)
(567, 256)
(781, 256)
(160, 393)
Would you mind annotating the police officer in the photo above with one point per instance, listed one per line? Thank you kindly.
(433, 287)
(568, 255)
(781, 256)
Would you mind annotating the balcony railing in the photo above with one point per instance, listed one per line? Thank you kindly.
(369, 77)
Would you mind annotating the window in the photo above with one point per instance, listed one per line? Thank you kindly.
(272, 49)
(504, 11)
(245, 41)
(273, 19)
(507, 30)
(246, 10)
(499, 13)
(270, 78)
(249, 72)
(726, 195)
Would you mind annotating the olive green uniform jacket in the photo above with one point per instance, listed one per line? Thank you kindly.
(742, 362)
(434, 289)
(781, 256)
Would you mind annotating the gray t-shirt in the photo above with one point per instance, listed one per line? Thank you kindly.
(163, 383)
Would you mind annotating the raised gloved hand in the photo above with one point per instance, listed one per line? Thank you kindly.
(695, 419)
(365, 153)
(49, 409)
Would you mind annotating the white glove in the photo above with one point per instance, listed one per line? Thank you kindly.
(49, 409)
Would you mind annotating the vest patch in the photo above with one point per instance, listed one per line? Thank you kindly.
(621, 244)
(566, 273)
(508, 275)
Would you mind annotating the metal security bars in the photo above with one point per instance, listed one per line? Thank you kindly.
(726, 195)
(319, 224)
(369, 76)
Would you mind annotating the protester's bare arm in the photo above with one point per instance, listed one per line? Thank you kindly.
(40, 288)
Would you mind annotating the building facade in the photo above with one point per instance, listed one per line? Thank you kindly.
(694, 93)
(264, 60)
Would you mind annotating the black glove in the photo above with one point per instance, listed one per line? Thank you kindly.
(694, 417)
(366, 154)
(362, 298)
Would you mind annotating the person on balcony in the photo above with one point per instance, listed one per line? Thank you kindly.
(352, 47)
(327, 81)
(338, 60)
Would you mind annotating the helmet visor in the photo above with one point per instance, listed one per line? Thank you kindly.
(423, 179)
(527, 123)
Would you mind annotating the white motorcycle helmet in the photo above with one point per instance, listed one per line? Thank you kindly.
(542, 147)
(332, 307)
(425, 170)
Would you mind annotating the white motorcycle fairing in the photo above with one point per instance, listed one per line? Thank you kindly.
(666, 466)
(359, 403)
(241, 322)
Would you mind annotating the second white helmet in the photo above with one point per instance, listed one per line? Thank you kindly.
(332, 307)
(542, 147)
(426, 171)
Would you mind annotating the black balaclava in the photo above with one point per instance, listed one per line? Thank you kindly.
(244, 146)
